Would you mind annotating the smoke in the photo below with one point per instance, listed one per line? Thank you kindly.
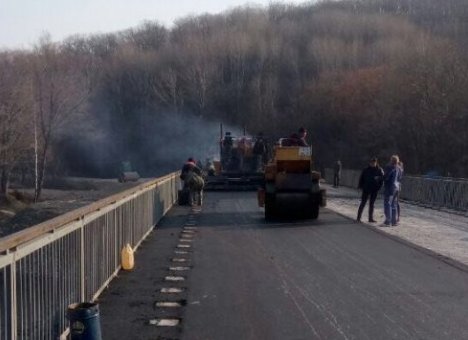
(175, 137)
(84, 145)
(154, 143)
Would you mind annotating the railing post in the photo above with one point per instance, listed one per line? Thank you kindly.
(82, 264)
(13, 298)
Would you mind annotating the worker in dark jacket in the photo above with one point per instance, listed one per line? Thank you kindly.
(337, 174)
(302, 134)
(186, 195)
(227, 156)
(190, 165)
(299, 138)
(370, 182)
(259, 151)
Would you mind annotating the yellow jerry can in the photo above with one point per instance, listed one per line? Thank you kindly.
(128, 261)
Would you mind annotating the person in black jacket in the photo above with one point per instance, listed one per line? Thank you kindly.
(259, 151)
(370, 182)
(337, 174)
(190, 165)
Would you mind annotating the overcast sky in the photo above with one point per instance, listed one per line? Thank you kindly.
(23, 21)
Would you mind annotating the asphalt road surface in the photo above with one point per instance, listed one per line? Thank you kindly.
(324, 279)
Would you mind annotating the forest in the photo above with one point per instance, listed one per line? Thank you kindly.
(365, 77)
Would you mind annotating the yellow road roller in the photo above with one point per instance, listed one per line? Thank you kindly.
(290, 186)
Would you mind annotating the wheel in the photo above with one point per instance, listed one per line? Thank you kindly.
(323, 198)
(314, 211)
(270, 206)
(314, 206)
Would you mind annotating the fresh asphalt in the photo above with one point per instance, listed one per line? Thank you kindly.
(289, 279)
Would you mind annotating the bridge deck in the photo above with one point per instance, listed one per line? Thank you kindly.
(325, 279)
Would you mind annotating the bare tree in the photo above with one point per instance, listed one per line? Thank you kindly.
(149, 36)
(198, 72)
(59, 92)
(167, 85)
(15, 114)
(350, 69)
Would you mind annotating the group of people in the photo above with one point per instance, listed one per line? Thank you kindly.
(371, 181)
(243, 153)
(192, 173)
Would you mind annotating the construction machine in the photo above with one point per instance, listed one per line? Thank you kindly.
(238, 166)
(290, 185)
(126, 174)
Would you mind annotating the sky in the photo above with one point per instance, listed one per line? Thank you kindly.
(22, 22)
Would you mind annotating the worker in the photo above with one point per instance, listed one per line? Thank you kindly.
(241, 152)
(302, 137)
(189, 165)
(259, 151)
(191, 175)
(226, 150)
(297, 139)
(210, 169)
(337, 174)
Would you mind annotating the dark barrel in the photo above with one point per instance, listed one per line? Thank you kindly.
(84, 321)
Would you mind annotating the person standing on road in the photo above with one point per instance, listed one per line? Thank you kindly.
(337, 174)
(401, 168)
(259, 151)
(370, 182)
(191, 174)
(226, 150)
(189, 165)
(391, 186)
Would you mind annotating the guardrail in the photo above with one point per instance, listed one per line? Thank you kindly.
(73, 257)
(436, 193)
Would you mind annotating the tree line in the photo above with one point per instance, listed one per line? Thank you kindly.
(366, 77)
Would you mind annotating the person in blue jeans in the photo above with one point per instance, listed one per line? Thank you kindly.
(401, 168)
(392, 175)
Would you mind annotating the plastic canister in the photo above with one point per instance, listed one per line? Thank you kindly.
(84, 321)
(128, 261)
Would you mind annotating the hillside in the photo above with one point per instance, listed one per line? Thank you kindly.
(366, 77)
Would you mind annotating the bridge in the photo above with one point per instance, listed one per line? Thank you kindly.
(222, 272)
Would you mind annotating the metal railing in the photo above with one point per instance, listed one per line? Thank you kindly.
(450, 193)
(73, 257)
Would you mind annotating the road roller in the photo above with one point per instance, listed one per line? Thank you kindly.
(290, 186)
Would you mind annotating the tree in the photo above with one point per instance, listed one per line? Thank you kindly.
(15, 114)
(365, 76)
(60, 91)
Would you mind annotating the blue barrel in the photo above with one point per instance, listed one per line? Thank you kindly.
(84, 321)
